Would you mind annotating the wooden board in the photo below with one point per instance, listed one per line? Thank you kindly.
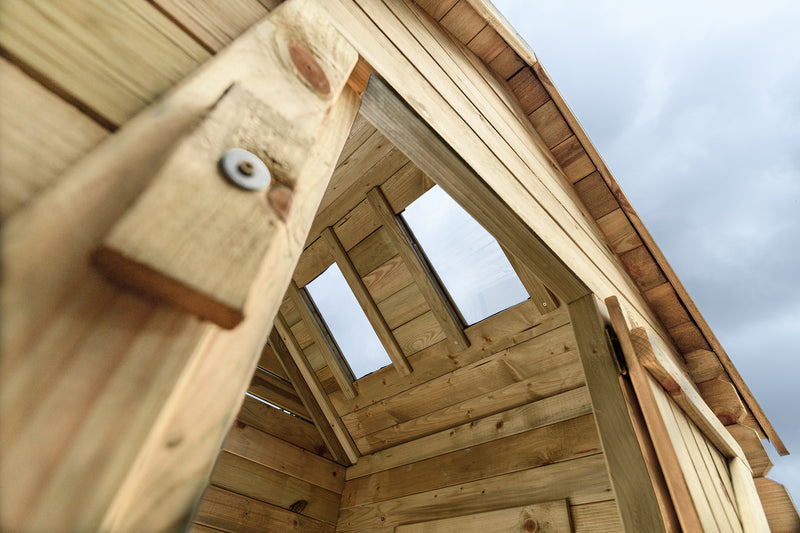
(548, 517)
(113, 69)
(31, 117)
(289, 428)
(780, 510)
(600, 517)
(227, 511)
(550, 410)
(582, 480)
(125, 413)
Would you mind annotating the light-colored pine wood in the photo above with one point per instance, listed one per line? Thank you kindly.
(420, 270)
(721, 396)
(342, 437)
(227, 511)
(403, 306)
(554, 443)
(550, 358)
(119, 404)
(548, 517)
(326, 346)
(31, 118)
(278, 392)
(581, 480)
(633, 221)
(751, 511)
(634, 491)
(675, 382)
(753, 448)
(600, 517)
(368, 305)
(665, 451)
(270, 363)
(703, 365)
(419, 333)
(289, 428)
(780, 510)
(503, 330)
(462, 21)
(210, 22)
(256, 481)
(195, 239)
(114, 68)
(273, 452)
(306, 392)
(550, 410)
(541, 295)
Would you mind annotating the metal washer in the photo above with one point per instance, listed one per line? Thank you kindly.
(230, 163)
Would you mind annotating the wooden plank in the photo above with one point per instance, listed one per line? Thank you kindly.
(721, 503)
(253, 480)
(550, 358)
(276, 391)
(512, 326)
(277, 454)
(548, 517)
(554, 443)
(422, 272)
(581, 480)
(694, 485)
(211, 23)
(37, 118)
(462, 21)
(227, 511)
(721, 396)
(703, 365)
(547, 120)
(754, 450)
(751, 511)
(368, 305)
(270, 363)
(494, 19)
(426, 149)
(113, 68)
(339, 438)
(403, 306)
(132, 423)
(780, 510)
(634, 491)
(643, 234)
(668, 460)
(419, 333)
(307, 393)
(289, 428)
(681, 390)
(600, 517)
(541, 295)
(540, 413)
(322, 339)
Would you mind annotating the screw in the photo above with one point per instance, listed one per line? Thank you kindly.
(246, 167)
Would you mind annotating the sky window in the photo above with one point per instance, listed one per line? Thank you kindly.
(468, 260)
(347, 322)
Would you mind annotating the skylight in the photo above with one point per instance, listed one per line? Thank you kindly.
(466, 257)
(347, 323)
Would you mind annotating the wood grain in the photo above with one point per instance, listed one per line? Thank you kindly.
(548, 517)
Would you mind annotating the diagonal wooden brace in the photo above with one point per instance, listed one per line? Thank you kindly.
(197, 239)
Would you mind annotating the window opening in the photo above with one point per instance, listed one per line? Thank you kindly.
(347, 323)
(467, 259)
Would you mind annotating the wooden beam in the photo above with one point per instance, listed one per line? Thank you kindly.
(675, 382)
(634, 491)
(368, 305)
(326, 345)
(107, 391)
(393, 117)
(340, 437)
(420, 270)
(546, 516)
(751, 512)
(541, 295)
(668, 459)
(319, 416)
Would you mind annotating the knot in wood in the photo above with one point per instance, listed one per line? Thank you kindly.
(309, 68)
(529, 525)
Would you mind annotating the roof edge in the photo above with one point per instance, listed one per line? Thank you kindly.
(494, 19)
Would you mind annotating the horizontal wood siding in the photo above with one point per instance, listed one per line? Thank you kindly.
(509, 424)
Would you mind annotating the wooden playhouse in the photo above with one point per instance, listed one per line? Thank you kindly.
(166, 365)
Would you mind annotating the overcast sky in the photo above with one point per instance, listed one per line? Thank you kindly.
(695, 107)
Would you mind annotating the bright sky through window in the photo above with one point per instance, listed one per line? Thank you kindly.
(469, 261)
(347, 323)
